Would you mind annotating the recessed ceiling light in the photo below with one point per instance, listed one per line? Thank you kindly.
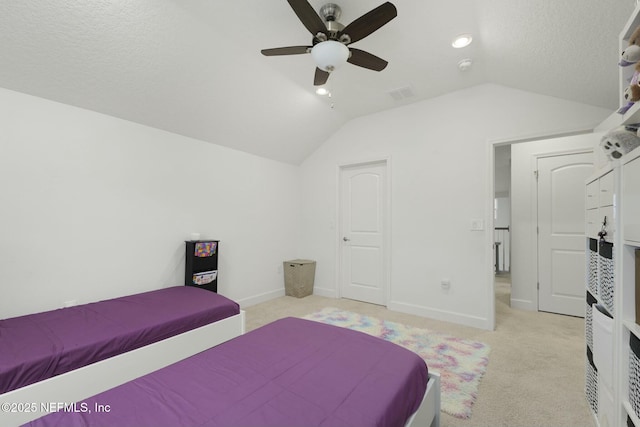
(322, 91)
(462, 40)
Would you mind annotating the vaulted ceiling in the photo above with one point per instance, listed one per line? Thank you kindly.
(194, 67)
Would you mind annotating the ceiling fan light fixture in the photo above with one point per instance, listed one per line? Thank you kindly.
(330, 55)
(462, 40)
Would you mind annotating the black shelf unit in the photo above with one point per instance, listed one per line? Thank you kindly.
(201, 264)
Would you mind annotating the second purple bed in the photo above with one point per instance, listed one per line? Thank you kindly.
(292, 372)
(39, 346)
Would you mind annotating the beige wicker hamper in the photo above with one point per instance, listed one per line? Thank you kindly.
(298, 277)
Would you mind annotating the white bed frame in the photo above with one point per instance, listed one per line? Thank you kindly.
(92, 379)
(428, 414)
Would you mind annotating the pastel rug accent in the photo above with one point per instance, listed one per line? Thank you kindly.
(461, 363)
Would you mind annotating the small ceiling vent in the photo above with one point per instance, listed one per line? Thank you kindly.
(402, 93)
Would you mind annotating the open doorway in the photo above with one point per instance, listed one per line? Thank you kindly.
(502, 224)
(530, 275)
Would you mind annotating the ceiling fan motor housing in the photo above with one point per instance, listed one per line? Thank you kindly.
(331, 12)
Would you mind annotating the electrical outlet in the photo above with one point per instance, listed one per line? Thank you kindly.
(445, 283)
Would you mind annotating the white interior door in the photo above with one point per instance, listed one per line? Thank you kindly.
(561, 237)
(363, 205)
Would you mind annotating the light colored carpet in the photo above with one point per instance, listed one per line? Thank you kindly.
(536, 374)
(460, 363)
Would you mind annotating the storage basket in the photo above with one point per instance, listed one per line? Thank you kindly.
(591, 389)
(298, 277)
(592, 281)
(634, 373)
(606, 276)
(588, 320)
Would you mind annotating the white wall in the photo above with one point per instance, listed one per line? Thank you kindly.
(524, 273)
(502, 168)
(503, 212)
(440, 179)
(93, 207)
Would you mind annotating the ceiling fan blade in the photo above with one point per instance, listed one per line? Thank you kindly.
(369, 22)
(320, 78)
(366, 60)
(309, 18)
(289, 50)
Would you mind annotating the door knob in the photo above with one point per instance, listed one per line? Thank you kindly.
(345, 239)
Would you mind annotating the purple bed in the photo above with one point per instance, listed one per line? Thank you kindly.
(291, 372)
(42, 345)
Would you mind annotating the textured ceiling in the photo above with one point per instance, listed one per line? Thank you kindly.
(194, 67)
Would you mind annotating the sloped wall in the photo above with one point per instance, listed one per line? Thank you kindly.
(94, 207)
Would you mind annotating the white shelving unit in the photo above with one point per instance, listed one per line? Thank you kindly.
(612, 279)
(630, 234)
(613, 385)
(630, 243)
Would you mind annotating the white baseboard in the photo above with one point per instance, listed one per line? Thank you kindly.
(257, 299)
(523, 304)
(447, 316)
(267, 296)
(325, 292)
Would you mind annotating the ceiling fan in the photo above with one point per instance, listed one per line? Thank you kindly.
(330, 38)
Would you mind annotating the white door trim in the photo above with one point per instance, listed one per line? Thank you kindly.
(386, 161)
(490, 235)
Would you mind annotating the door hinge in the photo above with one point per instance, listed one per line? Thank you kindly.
(538, 285)
(535, 173)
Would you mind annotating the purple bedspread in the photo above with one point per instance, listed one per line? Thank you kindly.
(292, 372)
(39, 346)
